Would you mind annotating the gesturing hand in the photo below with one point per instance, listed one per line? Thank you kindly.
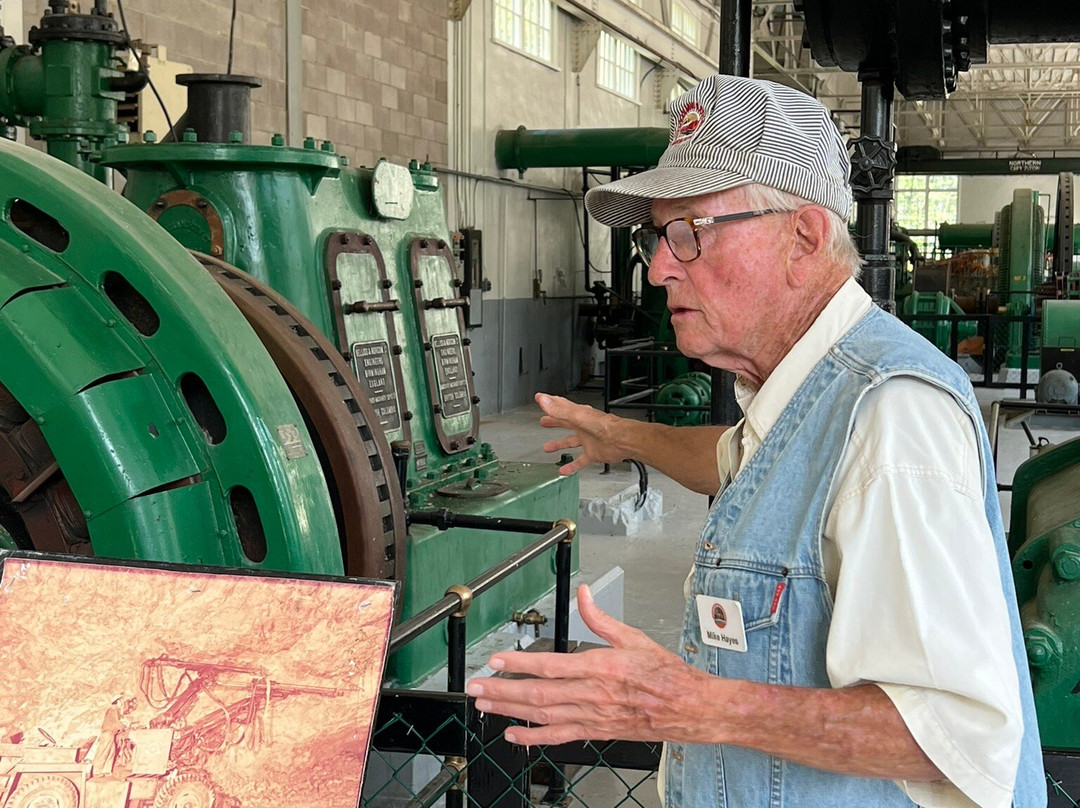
(593, 431)
(635, 690)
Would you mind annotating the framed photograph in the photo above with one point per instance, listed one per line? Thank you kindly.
(134, 685)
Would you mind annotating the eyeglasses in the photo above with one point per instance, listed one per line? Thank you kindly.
(682, 235)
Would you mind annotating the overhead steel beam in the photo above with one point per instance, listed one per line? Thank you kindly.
(987, 166)
(647, 33)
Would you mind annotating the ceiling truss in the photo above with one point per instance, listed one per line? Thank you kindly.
(1025, 100)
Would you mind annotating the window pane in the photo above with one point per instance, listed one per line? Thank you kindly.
(940, 182)
(911, 210)
(525, 24)
(910, 182)
(941, 207)
(616, 66)
(684, 23)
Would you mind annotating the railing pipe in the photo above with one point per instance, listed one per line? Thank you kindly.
(408, 630)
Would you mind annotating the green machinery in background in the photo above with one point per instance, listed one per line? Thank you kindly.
(1044, 540)
(1021, 228)
(1019, 282)
(237, 364)
(630, 317)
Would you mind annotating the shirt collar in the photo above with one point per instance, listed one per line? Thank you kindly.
(763, 406)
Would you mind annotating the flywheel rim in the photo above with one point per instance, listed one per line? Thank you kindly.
(369, 504)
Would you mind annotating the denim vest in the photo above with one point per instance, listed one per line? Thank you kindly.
(761, 546)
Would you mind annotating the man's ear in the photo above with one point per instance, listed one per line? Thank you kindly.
(810, 226)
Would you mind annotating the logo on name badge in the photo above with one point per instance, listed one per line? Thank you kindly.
(719, 616)
(691, 118)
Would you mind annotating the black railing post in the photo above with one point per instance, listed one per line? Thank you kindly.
(557, 785)
(455, 679)
(562, 588)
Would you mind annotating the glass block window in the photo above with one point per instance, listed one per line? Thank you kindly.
(525, 25)
(923, 201)
(616, 66)
(684, 23)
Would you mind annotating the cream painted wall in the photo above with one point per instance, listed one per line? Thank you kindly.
(493, 88)
(11, 19)
(531, 237)
(982, 197)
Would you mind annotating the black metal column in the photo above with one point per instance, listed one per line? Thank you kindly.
(585, 226)
(735, 37)
(873, 167)
(735, 19)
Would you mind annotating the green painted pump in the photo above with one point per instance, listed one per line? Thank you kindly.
(64, 86)
(365, 253)
(247, 400)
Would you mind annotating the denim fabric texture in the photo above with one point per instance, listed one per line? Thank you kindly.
(761, 546)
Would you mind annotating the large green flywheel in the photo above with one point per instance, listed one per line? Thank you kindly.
(140, 416)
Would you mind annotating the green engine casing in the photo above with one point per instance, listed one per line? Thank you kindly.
(1044, 541)
(365, 254)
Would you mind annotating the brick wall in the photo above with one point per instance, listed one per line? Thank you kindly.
(374, 79)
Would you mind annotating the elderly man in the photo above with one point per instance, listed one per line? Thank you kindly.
(851, 635)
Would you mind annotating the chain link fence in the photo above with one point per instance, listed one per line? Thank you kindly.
(436, 749)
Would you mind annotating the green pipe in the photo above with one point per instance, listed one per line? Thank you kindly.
(964, 236)
(978, 236)
(522, 148)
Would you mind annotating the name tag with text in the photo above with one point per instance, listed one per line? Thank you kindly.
(721, 622)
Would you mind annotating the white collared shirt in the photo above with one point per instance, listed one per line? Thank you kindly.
(910, 561)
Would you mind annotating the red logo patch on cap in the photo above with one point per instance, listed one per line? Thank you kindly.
(689, 122)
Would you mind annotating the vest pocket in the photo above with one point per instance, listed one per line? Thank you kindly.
(760, 593)
(759, 590)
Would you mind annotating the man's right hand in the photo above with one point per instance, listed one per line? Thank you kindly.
(596, 433)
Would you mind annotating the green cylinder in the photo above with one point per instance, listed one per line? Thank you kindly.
(965, 236)
(561, 148)
(979, 236)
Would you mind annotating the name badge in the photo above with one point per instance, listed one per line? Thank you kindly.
(721, 623)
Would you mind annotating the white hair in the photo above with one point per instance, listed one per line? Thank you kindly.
(838, 246)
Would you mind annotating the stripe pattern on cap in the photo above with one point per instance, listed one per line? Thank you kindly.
(730, 131)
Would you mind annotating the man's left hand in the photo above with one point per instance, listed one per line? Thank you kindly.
(635, 690)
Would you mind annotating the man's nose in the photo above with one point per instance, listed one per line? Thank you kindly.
(664, 267)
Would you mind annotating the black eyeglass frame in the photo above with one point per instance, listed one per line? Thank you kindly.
(695, 226)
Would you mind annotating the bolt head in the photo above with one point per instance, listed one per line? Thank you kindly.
(1040, 647)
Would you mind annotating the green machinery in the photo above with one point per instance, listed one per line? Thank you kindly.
(1023, 284)
(1044, 540)
(1021, 227)
(631, 312)
(64, 86)
(237, 364)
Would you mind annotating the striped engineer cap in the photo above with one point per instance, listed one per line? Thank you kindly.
(730, 131)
